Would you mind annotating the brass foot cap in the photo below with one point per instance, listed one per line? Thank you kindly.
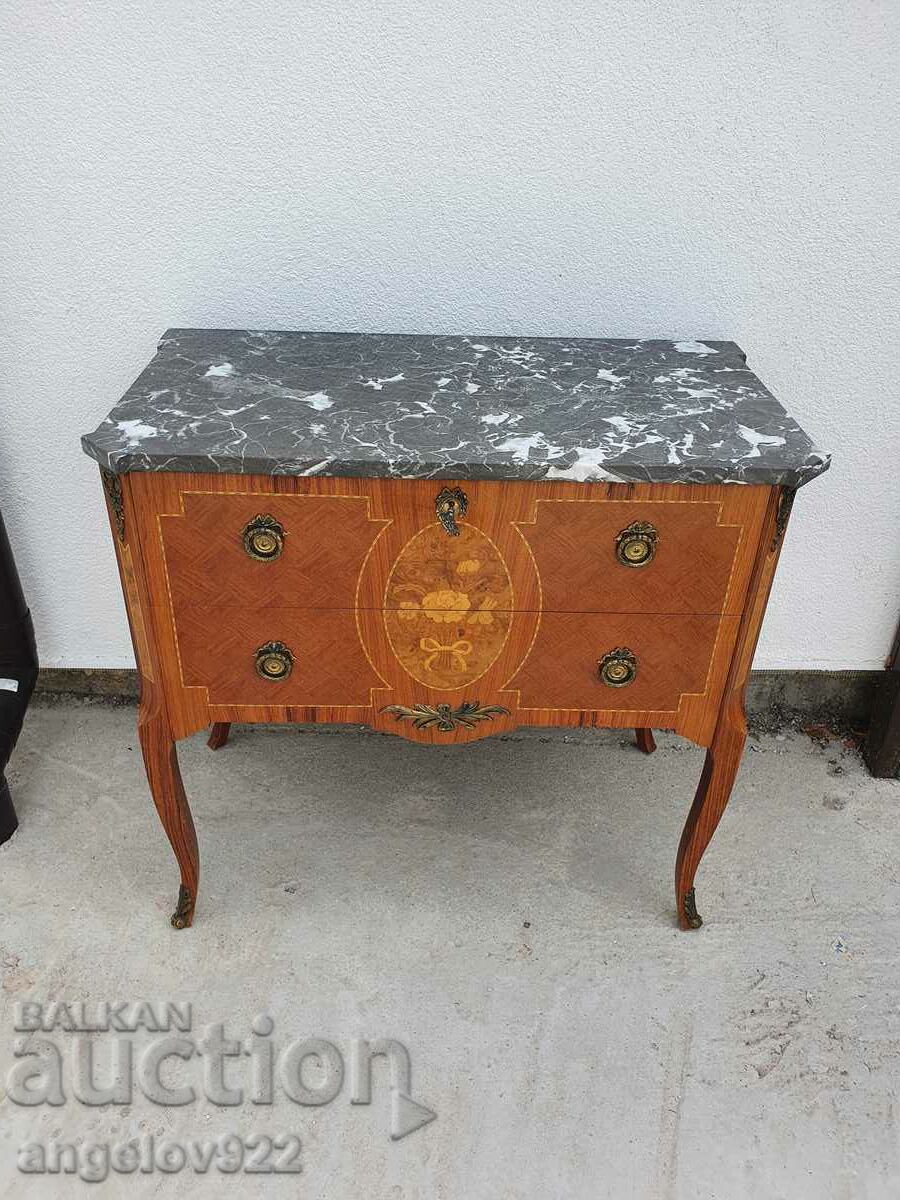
(184, 911)
(693, 918)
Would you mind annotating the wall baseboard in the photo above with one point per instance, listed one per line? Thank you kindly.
(774, 698)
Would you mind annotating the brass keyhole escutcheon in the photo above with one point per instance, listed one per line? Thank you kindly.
(451, 504)
(274, 661)
(263, 538)
(618, 668)
(636, 545)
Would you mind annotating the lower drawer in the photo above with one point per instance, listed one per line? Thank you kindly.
(571, 662)
(670, 657)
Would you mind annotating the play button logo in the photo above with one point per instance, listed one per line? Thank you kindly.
(407, 1115)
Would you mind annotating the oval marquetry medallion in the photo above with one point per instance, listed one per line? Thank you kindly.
(448, 606)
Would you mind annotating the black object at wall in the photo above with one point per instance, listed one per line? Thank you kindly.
(18, 672)
(882, 749)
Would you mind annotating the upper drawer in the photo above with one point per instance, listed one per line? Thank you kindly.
(519, 546)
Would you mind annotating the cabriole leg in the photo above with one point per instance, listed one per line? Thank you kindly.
(723, 758)
(719, 772)
(164, 777)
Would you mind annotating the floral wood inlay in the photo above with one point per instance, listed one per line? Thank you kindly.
(448, 606)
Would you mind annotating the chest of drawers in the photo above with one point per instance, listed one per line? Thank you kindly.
(445, 538)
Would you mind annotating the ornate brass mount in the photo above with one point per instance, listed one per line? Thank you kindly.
(263, 538)
(274, 661)
(445, 718)
(451, 504)
(112, 485)
(785, 504)
(694, 919)
(636, 545)
(184, 909)
(618, 668)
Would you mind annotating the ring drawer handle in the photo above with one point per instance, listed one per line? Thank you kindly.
(618, 668)
(263, 538)
(450, 504)
(274, 661)
(636, 545)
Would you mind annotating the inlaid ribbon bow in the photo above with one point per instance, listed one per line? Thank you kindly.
(457, 652)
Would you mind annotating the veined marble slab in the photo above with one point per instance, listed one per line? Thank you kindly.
(451, 407)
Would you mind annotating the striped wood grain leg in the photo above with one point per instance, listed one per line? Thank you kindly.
(645, 740)
(719, 772)
(724, 754)
(218, 735)
(164, 777)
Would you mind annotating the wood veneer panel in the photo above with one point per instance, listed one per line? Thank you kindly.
(218, 652)
(674, 658)
(700, 562)
(326, 542)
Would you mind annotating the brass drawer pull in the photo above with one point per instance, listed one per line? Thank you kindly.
(450, 504)
(636, 545)
(263, 538)
(274, 661)
(618, 668)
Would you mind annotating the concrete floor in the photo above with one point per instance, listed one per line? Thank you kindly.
(505, 912)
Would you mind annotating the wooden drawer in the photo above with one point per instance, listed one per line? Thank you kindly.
(675, 657)
(526, 547)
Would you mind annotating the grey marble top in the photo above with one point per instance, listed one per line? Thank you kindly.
(412, 406)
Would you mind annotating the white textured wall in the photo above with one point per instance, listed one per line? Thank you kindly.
(714, 168)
